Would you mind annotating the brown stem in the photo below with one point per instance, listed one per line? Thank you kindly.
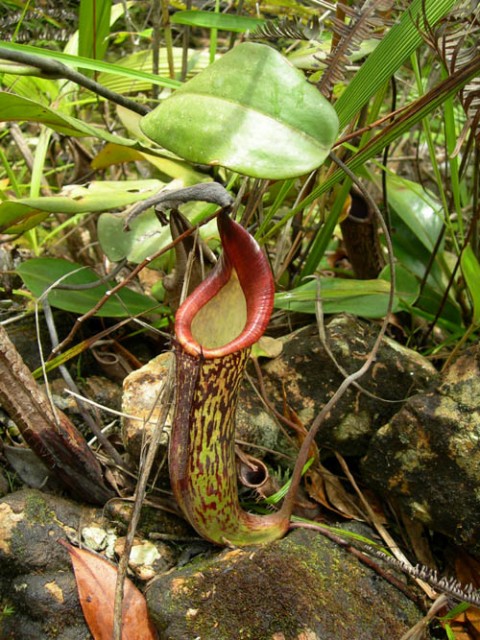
(48, 432)
(55, 69)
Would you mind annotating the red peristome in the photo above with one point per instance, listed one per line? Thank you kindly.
(241, 252)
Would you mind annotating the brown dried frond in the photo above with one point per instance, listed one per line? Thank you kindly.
(351, 27)
(456, 41)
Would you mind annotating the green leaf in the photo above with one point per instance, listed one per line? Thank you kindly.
(407, 286)
(282, 492)
(366, 298)
(94, 28)
(455, 611)
(222, 21)
(428, 305)
(471, 273)
(17, 216)
(407, 119)
(145, 237)
(252, 112)
(361, 297)
(417, 224)
(40, 90)
(39, 274)
(418, 209)
(112, 154)
(81, 62)
(15, 108)
(143, 61)
(411, 253)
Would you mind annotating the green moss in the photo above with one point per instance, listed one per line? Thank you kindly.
(37, 510)
(303, 582)
(19, 546)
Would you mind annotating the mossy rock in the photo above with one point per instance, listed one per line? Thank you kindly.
(427, 458)
(306, 375)
(302, 587)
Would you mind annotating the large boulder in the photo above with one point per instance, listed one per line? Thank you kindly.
(305, 375)
(37, 584)
(427, 458)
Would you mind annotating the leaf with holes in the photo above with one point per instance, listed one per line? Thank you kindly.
(17, 216)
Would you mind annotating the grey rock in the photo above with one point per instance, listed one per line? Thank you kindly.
(49, 595)
(305, 375)
(31, 523)
(36, 577)
(427, 458)
(4, 486)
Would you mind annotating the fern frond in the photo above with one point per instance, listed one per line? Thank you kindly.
(289, 28)
(362, 23)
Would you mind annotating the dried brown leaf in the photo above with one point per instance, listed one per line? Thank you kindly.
(96, 579)
(327, 489)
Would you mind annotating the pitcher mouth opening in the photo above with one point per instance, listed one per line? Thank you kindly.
(231, 308)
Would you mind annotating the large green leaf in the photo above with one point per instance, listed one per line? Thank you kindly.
(418, 209)
(417, 224)
(252, 112)
(39, 274)
(17, 216)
